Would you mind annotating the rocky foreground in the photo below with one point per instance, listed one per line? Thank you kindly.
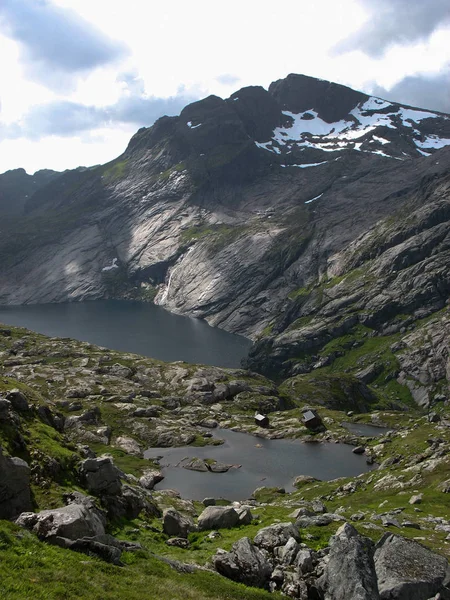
(75, 419)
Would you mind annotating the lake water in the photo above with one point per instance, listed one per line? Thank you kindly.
(263, 463)
(365, 430)
(128, 326)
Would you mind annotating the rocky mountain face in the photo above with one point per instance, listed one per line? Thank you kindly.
(292, 216)
(16, 187)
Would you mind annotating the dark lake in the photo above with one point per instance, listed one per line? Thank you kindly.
(366, 430)
(138, 327)
(263, 462)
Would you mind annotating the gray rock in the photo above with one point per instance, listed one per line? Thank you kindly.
(15, 493)
(304, 561)
(209, 502)
(275, 535)
(408, 571)
(101, 475)
(245, 516)
(72, 522)
(150, 478)
(218, 517)
(245, 564)
(288, 552)
(129, 445)
(318, 520)
(18, 400)
(175, 524)
(350, 571)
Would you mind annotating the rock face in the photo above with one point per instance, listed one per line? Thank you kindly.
(15, 493)
(245, 564)
(350, 571)
(218, 517)
(408, 571)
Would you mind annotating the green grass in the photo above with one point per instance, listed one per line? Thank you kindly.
(31, 569)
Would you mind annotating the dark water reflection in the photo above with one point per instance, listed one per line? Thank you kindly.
(137, 327)
(365, 430)
(263, 462)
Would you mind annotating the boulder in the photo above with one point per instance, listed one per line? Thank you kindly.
(408, 571)
(129, 503)
(244, 563)
(18, 400)
(275, 535)
(175, 524)
(150, 478)
(287, 553)
(350, 571)
(72, 522)
(101, 475)
(218, 517)
(15, 494)
(129, 445)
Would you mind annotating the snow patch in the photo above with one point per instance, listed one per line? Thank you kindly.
(112, 266)
(305, 166)
(380, 140)
(189, 124)
(312, 199)
(433, 141)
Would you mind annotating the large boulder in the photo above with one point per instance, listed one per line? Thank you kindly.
(71, 522)
(408, 571)
(175, 524)
(15, 496)
(350, 571)
(101, 475)
(218, 517)
(129, 503)
(245, 564)
(276, 535)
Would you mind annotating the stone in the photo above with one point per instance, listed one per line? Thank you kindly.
(72, 522)
(18, 400)
(129, 445)
(245, 564)
(209, 501)
(175, 524)
(318, 520)
(245, 515)
(15, 492)
(359, 450)
(417, 499)
(150, 478)
(408, 571)
(218, 517)
(275, 535)
(101, 475)
(304, 561)
(349, 573)
(288, 552)
(178, 542)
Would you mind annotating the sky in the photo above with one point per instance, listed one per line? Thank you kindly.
(79, 77)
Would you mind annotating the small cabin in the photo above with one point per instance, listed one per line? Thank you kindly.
(311, 419)
(261, 420)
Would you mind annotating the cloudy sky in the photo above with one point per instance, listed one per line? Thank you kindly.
(79, 77)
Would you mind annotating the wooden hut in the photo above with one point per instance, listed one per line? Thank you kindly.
(311, 419)
(261, 420)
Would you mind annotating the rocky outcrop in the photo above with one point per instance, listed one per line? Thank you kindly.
(350, 571)
(15, 492)
(101, 476)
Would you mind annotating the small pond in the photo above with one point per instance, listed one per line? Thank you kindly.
(261, 463)
(365, 430)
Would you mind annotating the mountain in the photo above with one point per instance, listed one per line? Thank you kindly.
(309, 204)
(17, 186)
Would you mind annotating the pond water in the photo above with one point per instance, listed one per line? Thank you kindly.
(262, 463)
(365, 430)
(128, 326)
